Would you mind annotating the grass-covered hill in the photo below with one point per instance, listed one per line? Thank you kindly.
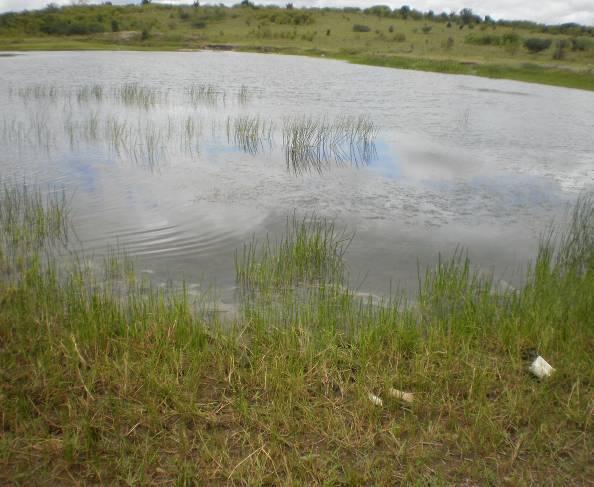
(462, 43)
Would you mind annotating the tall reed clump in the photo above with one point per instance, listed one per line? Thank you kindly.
(312, 144)
(310, 251)
(31, 221)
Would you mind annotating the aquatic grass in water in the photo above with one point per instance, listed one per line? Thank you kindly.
(190, 135)
(27, 216)
(36, 131)
(14, 132)
(137, 95)
(310, 251)
(30, 222)
(149, 145)
(312, 144)
(117, 133)
(452, 290)
(308, 143)
(87, 93)
(243, 95)
(249, 133)
(204, 94)
(36, 92)
(576, 244)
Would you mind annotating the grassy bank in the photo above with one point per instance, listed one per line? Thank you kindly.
(556, 55)
(106, 379)
(528, 72)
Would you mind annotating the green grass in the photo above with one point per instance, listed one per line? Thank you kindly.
(29, 223)
(529, 72)
(107, 380)
(417, 42)
(310, 251)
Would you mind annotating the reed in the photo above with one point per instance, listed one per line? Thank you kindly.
(30, 223)
(36, 92)
(308, 143)
(313, 144)
(149, 145)
(87, 93)
(310, 251)
(137, 95)
(190, 134)
(249, 133)
(204, 94)
(118, 133)
(243, 95)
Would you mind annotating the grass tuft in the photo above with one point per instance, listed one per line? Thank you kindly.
(312, 144)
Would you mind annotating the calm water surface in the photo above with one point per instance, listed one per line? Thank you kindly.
(485, 164)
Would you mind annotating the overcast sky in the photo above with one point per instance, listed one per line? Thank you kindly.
(548, 11)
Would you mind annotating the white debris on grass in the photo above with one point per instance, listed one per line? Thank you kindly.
(401, 395)
(541, 368)
(375, 399)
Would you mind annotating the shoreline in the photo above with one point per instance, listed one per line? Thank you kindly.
(525, 72)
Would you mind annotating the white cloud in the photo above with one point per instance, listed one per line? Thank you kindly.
(548, 11)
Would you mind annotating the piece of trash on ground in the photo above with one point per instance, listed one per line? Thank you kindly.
(375, 399)
(541, 368)
(401, 395)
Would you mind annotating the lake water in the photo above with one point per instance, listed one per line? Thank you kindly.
(457, 161)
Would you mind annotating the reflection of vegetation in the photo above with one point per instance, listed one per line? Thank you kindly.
(135, 94)
(205, 94)
(107, 378)
(310, 144)
(249, 133)
(418, 38)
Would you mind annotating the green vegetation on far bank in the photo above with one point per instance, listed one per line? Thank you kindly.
(401, 38)
(105, 379)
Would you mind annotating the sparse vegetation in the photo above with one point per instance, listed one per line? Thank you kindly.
(249, 133)
(312, 144)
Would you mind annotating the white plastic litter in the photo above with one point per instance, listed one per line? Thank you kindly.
(375, 399)
(541, 368)
(401, 395)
